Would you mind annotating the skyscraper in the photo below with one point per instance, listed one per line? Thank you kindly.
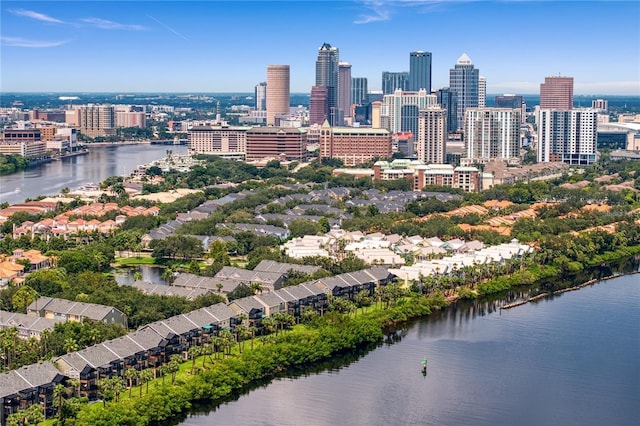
(568, 135)
(399, 110)
(448, 100)
(513, 102)
(432, 135)
(318, 107)
(392, 81)
(359, 91)
(344, 88)
(261, 96)
(482, 92)
(492, 133)
(556, 93)
(463, 80)
(420, 71)
(278, 92)
(327, 75)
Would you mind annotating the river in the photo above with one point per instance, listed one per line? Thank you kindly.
(100, 163)
(572, 359)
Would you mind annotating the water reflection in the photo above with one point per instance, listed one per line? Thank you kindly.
(127, 276)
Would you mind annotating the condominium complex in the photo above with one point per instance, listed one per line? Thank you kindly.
(399, 111)
(430, 145)
(96, 120)
(354, 145)
(468, 179)
(492, 133)
(569, 136)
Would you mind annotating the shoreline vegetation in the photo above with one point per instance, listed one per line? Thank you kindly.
(214, 377)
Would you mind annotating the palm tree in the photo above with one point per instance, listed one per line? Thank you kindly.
(59, 392)
(147, 375)
(75, 385)
(130, 374)
(70, 345)
(194, 352)
(163, 370)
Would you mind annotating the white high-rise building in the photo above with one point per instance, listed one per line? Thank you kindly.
(482, 92)
(492, 133)
(569, 136)
(261, 96)
(432, 135)
(400, 109)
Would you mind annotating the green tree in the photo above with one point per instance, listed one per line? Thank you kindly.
(23, 298)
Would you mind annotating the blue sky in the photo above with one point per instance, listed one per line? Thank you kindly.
(224, 46)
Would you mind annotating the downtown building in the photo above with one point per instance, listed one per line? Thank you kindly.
(512, 101)
(224, 141)
(392, 81)
(569, 136)
(431, 139)
(327, 75)
(420, 71)
(399, 111)
(344, 88)
(277, 143)
(260, 96)
(278, 93)
(464, 82)
(354, 145)
(556, 93)
(96, 120)
(491, 134)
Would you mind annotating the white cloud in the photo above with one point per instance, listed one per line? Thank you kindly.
(111, 25)
(23, 42)
(377, 12)
(36, 15)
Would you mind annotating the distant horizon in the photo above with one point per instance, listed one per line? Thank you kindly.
(225, 46)
(45, 92)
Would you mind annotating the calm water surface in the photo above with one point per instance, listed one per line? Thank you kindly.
(570, 360)
(100, 163)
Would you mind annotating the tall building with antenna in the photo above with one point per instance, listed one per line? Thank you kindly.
(327, 76)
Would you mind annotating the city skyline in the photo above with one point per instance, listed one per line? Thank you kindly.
(222, 46)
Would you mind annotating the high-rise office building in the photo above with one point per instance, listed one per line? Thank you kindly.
(344, 88)
(420, 71)
(556, 93)
(513, 102)
(431, 139)
(278, 93)
(492, 133)
(261, 96)
(482, 92)
(463, 80)
(448, 100)
(568, 135)
(354, 145)
(359, 91)
(327, 75)
(392, 81)
(318, 106)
